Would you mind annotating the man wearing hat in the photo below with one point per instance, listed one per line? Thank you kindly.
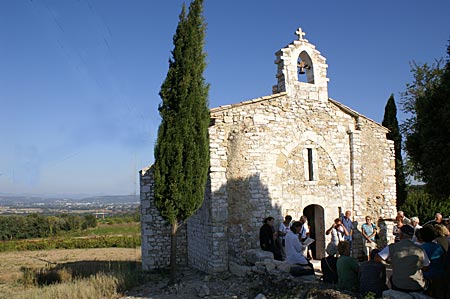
(408, 260)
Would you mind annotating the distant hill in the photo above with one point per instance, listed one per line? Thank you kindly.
(112, 199)
(6, 199)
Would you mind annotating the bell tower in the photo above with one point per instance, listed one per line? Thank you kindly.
(301, 69)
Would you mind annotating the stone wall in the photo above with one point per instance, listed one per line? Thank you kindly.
(207, 232)
(155, 231)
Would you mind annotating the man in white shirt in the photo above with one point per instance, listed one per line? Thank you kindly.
(415, 224)
(285, 227)
(405, 220)
(337, 231)
(304, 233)
(294, 249)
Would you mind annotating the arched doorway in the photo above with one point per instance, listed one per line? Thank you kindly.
(316, 221)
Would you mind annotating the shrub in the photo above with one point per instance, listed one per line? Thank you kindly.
(421, 204)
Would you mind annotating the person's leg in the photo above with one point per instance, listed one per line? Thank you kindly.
(310, 255)
(282, 248)
(369, 250)
(305, 251)
(366, 249)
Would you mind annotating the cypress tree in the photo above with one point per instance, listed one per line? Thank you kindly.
(182, 148)
(390, 122)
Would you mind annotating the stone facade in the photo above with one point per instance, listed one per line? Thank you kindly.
(294, 152)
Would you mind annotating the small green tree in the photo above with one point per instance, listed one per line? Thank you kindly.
(427, 130)
(390, 121)
(182, 148)
(421, 204)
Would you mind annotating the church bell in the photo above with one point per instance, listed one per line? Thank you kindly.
(302, 66)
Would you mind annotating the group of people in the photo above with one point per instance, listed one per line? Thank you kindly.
(288, 242)
(418, 257)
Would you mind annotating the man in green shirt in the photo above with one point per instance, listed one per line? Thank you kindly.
(347, 268)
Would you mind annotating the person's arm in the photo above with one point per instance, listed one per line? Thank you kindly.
(378, 258)
(275, 235)
(328, 231)
(263, 240)
(298, 246)
(363, 231)
(345, 230)
(374, 230)
(282, 230)
(266, 237)
(426, 261)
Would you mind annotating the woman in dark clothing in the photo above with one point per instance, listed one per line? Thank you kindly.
(372, 276)
(328, 265)
(267, 238)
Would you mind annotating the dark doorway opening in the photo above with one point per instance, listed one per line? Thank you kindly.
(316, 222)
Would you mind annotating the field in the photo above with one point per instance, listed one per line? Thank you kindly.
(132, 228)
(123, 235)
(72, 273)
(13, 265)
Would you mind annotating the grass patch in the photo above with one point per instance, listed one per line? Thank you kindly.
(86, 279)
(133, 228)
(97, 286)
(105, 241)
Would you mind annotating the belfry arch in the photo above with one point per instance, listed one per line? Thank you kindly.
(305, 68)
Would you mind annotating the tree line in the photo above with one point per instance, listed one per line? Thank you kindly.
(16, 227)
(424, 137)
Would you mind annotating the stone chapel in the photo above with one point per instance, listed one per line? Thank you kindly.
(295, 152)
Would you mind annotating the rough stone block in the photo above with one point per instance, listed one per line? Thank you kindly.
(283, 266)
(257, 255)
(239, 270)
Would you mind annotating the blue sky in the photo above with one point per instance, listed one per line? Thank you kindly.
(79, 79)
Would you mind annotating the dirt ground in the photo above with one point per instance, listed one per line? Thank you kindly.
(195, 284)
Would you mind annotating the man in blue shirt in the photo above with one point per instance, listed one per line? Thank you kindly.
(348, 224)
